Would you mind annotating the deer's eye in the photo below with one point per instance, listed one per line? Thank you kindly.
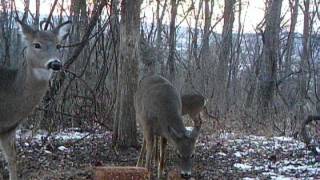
(37, 45)
(192, 156)
(58, 46)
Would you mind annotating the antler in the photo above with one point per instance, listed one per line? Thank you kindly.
(56, 29)
(43, 23)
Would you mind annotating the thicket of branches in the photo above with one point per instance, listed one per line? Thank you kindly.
(264, 81)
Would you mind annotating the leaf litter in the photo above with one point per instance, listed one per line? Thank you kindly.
(71, 154)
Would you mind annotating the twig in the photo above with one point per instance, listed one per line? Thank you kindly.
(86, 36)
(50, 15)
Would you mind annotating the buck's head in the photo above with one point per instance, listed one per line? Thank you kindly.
(185, 145)
(43, 47)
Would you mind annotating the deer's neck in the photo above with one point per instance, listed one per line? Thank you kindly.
(32, 81)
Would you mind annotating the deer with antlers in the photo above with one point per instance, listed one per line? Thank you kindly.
(22, 89)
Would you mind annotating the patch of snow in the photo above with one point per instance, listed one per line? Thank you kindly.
(281, 177)
(201, 144)
(68, 134)
(238, 154)
(237, 141)
(62, 148)
(189, 128)
(269, 173)
(275, 176)
(256, 138)
(47, 152)
(40, 135)
(283, 138)
(248, 178)
(244, 167)
(259, 168)
(226, 135)
(300, 145)
(221, 154)
(304, 168)
(251, 150)
(292, 161)
(65, 136)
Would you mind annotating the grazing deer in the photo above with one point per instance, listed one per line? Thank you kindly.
(159, 112)
(22, 89)
(192, 105)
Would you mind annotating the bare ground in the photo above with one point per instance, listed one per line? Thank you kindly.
(227, 156)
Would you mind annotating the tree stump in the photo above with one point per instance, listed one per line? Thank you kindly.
(121, 173)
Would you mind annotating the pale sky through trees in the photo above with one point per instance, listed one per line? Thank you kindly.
(252, 13)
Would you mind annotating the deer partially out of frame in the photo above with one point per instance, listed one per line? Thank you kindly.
(159, 112)
(23, 88)
(193, 104)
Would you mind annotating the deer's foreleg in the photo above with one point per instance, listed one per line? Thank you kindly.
(7, 141)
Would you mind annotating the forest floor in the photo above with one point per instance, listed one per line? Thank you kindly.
(72, 154)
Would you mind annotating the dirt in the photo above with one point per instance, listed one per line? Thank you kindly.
(224, 157)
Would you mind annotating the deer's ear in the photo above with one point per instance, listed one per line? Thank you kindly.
(26, 31)
(174, 133)
(62, 30)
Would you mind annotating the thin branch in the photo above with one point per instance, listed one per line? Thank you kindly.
(86, 36)
(50, 15)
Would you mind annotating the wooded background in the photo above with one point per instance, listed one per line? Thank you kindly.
(263, 81)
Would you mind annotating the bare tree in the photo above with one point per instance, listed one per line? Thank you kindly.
(268, 70)
(224, 56)
(125, 122)
(5, 25)
(37, 16)
(294, 6)
(194, 41)
(304, 63)
(159, 33)
(172, 41)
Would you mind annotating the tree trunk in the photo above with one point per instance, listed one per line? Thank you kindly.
(115, 36)
(195, 36)
(125, 122)
(294, 15)
(224, 56)
(172, 41)
(233, 80)
(6, 32)
(205, 50)
(160, 60)
(303, 77)
(268, 70)
(37, 16)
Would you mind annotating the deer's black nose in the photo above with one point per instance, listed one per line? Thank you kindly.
(55, 65)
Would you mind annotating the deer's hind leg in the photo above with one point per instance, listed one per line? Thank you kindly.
(149, 147)
(8, 146)
(162, 152)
